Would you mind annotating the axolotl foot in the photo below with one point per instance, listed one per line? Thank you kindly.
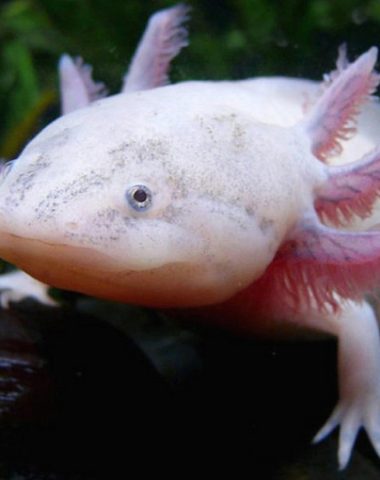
(359, 379)
(17, 285)
(351, 415)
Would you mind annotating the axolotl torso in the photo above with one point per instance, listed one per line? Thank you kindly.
(188, 196)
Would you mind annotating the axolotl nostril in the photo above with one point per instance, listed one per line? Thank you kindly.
(188, 195)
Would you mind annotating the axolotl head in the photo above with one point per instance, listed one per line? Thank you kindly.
(168, 197)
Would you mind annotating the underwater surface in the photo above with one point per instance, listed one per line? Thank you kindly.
(95, 389)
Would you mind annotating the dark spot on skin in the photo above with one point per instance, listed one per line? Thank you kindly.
(238, 135)
(139, 151)
(266, 224)
(107, 226)
(250, 211)
(118, 157)
(25, 181)
(68, 192)
(170, 213)
(229, 123)
(151, 150)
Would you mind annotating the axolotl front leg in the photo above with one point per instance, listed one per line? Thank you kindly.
(355, 326)
(357, 330)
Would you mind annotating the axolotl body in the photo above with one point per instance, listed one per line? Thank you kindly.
(188, 196)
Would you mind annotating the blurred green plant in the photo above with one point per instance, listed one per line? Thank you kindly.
(229, 39)
(24, 32)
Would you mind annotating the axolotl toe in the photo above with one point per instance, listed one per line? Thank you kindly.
(187, 196)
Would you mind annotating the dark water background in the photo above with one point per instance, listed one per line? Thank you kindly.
(95, 390)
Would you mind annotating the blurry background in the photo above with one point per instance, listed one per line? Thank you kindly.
(229, 39)
(87, 389)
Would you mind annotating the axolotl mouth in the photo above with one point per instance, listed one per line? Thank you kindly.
(98, 274)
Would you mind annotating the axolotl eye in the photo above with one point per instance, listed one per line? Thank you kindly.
(139, 197)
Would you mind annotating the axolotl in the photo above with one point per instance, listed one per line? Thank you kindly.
(196, 196)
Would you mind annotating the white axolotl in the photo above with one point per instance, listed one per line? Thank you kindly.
(212, 195)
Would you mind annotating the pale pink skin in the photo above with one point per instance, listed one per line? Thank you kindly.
(261, 255)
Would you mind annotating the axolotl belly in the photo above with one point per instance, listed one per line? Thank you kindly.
(189, 196)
